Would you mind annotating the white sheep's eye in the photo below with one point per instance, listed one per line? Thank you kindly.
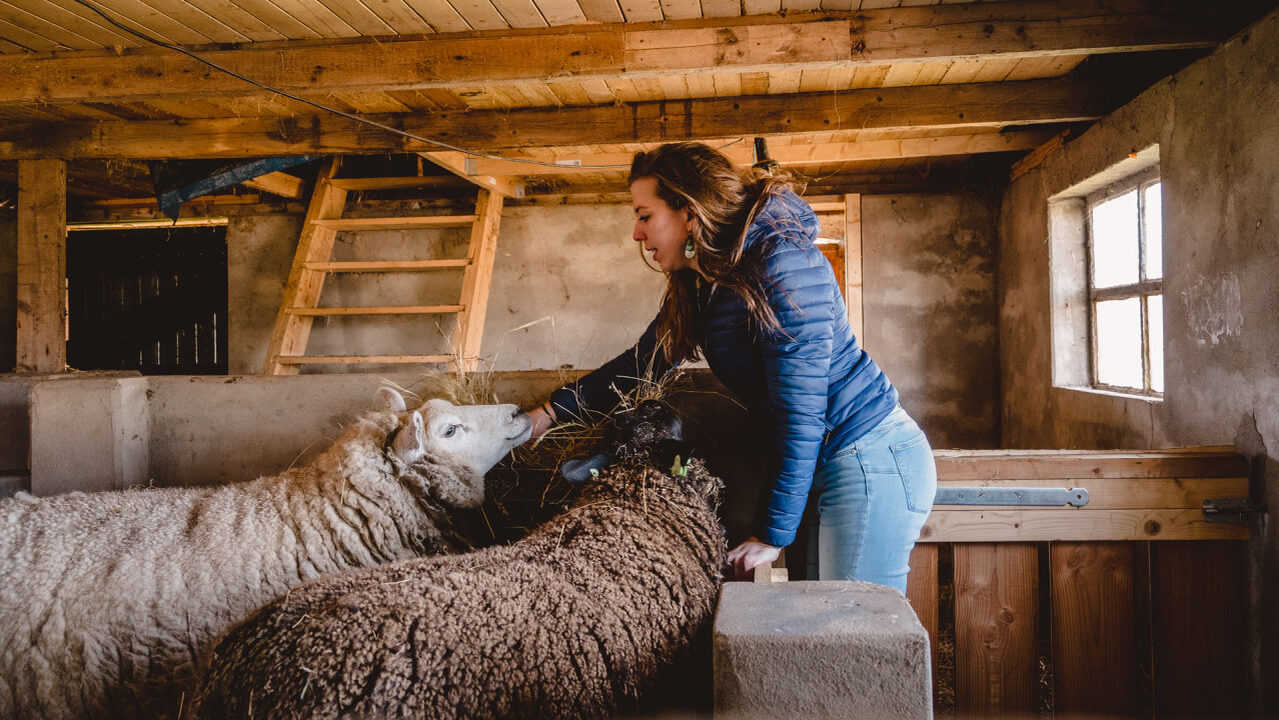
(451, 430)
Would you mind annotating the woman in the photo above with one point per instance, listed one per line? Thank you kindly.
(748, 288)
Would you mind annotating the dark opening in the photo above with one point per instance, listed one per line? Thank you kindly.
(148, 300)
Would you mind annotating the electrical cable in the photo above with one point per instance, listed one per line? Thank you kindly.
(335, 111)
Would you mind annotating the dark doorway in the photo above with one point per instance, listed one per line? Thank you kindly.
(151, 300)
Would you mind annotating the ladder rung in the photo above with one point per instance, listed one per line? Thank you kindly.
(388, 265)
(396, 223)
(386, 310)
(391, 183)
(355, 359)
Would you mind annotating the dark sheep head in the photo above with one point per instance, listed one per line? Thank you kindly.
(650, 433)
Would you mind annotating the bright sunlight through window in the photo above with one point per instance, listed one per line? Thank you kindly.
(1125, 249)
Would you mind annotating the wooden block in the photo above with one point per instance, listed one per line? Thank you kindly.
(1044, 464)
(996, 630)
(1095, 672)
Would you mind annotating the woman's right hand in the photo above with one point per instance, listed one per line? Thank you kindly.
(542, 421)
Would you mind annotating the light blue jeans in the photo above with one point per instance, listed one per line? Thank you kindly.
(872, 499)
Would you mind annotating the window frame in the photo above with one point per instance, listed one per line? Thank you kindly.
(1143, 289)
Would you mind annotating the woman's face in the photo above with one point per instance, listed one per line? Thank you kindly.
(663, 229)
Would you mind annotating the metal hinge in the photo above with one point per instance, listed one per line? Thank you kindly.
(1228, 510)
(1020, 496)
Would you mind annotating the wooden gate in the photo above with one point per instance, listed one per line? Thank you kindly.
(1130, 606)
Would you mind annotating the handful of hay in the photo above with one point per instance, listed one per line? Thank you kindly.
(526, 489)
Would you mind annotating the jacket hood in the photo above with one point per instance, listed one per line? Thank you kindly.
(784, 214)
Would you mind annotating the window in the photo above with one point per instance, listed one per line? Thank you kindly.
(148, 300)
(1125, 286)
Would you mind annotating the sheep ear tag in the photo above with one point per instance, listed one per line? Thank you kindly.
(679, 468)
(410, 441)
(388, 400)
(577, 471)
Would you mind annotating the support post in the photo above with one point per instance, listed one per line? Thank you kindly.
(42, 266)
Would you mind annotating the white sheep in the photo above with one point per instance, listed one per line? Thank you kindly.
(108, 598)
(573, 621)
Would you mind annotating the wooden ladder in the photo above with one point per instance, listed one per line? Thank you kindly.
(313, 262)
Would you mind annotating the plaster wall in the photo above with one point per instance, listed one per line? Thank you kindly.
(1214, 123)
(930, 306)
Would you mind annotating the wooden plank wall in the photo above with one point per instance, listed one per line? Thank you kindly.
(1088, 619)
(1136, 629)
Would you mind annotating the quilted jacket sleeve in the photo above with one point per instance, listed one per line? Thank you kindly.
(796, 370)
(599, 390)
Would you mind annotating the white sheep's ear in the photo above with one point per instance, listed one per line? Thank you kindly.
(388, 400)
(410, 442)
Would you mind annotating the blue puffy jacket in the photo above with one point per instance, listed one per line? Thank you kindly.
(821, 390)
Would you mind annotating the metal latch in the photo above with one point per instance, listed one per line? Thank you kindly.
(1020, 496)
(1228, 510)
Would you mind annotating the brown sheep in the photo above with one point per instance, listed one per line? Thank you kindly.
(570, 622)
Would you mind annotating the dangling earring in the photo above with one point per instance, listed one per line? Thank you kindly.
(689, 250)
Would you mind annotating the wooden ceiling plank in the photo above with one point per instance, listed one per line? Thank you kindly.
(456, 163)
(143, 17)
(701, 85)
(761, 7)
(246, 24)
(559, 13)
(365, 21)
(520, 13)
(931, 73)
(51, 30)
(869, 76)
(727, 84)
(603, 11)
(441, 16)
(753, 83)
(994, 70)
(902, 74)
(785, 82)
(78, 19)
(198, 22)
(374, 102)
(771, 43)
(973, 105)
(8, 47)
(479, 14)
(814, 80)
(969, 30)
(801, 5)
(278, 183)
(318, 17)
(278, 19)
(674, 87)
(568, 93)
(681, 9)
(721, 8)
(27, 40)
(641, 10)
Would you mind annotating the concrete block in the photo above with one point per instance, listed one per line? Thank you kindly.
(89, 433)
(819, 650)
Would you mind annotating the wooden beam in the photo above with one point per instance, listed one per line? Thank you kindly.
(42, 266)
(602, 52)
(278, 183)
(787, 155)
(482, 253)
(853, 266)
(461, 165)
(976, 105)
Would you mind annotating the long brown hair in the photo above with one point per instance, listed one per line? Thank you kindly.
(722, 200)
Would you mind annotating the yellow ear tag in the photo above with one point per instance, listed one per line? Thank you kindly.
(679, 469)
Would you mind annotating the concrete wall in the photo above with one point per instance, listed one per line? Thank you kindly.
(571, 291)
(1215, 126)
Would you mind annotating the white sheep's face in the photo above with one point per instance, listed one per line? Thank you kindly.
(472, 436)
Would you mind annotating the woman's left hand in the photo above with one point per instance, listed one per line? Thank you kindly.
(743, 558)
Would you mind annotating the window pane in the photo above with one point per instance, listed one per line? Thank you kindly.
(1155, 313)
(1119, 343)
(1114, 241)
(1154, 232)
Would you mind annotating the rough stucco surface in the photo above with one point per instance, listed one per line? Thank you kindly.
(1219, 159)
(931, 316)
(257, 266)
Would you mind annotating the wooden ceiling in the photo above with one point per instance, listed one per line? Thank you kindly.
(842, 88)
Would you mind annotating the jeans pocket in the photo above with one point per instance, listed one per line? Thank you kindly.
(918, 472)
